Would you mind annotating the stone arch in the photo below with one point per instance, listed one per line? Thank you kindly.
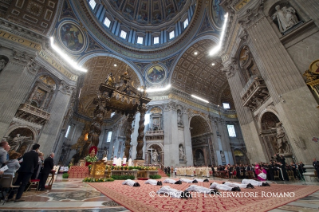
(270, 109)
(154, 158)
(201, 132)
(24, 145)
(87, 57)
(240, 156)
(203, 117)
(268, 132)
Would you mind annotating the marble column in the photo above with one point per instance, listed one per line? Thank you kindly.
(289, 92)
(171, 149)
(188, 139)
(15, 83)
(51, 130)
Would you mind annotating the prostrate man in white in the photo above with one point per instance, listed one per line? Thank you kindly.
(238, 185)
(254, 182)
(223, 187)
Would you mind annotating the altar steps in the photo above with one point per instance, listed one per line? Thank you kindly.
(161, 172)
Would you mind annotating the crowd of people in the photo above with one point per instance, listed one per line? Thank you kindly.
(23, 169)
(276, 169)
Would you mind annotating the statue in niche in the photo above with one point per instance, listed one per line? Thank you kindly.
(181, 153)
(3, 62)
(179, 118)
(286, 18)
(222, 155)
(155, 156)
(18, 141)
(282, 142)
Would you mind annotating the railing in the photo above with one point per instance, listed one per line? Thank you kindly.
(154, 132)
(35, 111)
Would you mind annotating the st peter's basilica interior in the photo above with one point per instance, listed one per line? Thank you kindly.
(160, 83)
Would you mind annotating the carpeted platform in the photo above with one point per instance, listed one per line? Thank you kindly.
(138, 198)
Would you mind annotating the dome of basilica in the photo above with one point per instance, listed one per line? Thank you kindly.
(147, 12)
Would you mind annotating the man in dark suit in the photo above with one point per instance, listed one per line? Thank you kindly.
(30, 161)
(47, 167)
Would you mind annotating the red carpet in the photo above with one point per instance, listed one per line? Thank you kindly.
(138, 198)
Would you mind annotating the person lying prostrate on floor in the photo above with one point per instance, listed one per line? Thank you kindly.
(254, 182)
(223, 187)
(187, 180)
(131, 183)
(201, 180)
(171, 181)
(153, 182)
(232, 184)
(174, 192)
(202, 189)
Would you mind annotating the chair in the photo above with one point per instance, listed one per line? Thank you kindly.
(276, 175)
(34, 182)
(250, 175)
(5, 184)
(290, 175)
(314, 175)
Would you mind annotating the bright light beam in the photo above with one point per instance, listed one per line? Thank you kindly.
(151, 90)
(201, 99)
(222, 35)
(66, 57)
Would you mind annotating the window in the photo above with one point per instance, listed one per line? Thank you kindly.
(156, 40)
(147, 119)
(107, 22)
(109, 136)
(92, 4)
(123, 34)
(140, 40)
(226, 106)
(231, 130)
(112, 114)
(185, 23)
(172, 34)
(67, 131)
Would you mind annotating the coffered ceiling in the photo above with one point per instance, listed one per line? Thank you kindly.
(195, 74)
(199, 126)
(35, 15)
(98, 69)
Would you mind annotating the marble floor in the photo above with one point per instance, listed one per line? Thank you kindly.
(73, 195)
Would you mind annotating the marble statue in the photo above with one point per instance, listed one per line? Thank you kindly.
(181, 153)
(17, 141)
(155, 156)
(130, 163)
(222, 155)
(286, 18)
(179, 118)
(282, 142)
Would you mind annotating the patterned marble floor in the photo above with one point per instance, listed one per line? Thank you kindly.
(70, 195)
(73, 195)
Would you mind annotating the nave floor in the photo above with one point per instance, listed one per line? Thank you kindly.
(73, 195)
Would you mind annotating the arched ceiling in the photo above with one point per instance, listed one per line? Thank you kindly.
(146, 12)
(98, 69)
(199, 126)
(195, 74)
